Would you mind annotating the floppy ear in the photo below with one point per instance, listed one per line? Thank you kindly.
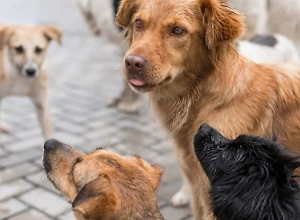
(5, 34)
(52, 32)
(222, 23)
(96, 200)
(125, 12)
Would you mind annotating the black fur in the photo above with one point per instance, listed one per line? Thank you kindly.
(251, 177)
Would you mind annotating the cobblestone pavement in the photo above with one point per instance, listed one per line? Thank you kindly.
(84, 74)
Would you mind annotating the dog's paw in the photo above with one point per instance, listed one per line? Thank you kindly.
(5, 128)
(132, 108)
(113, 102)
(179, 199)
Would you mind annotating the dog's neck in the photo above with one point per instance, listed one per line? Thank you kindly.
(176, 102)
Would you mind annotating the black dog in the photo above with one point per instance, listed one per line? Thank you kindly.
(251, 177)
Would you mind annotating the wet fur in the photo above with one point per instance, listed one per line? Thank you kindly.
(200, 78)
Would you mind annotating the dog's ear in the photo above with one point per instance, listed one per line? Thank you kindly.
(52, 32)
(156, 175)
(222, 23)
(5, 34)
(155, 172)
(125, 12)
(96, 200)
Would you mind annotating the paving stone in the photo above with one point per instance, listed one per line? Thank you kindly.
(11, 207)
(26, 144)
(13, 188)
(46, 201)
(67, 216)
(17, 171)
(31, 215)
(21, 157)
(171, 213)
(84, 73)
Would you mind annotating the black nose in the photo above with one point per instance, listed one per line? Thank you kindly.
(30, 71)
(206, 129)
(51, 144)
(135, 64)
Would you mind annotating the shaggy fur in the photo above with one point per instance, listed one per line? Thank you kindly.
(251, 177)
(182, 53)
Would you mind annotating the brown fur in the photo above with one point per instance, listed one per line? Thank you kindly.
(198, 77)
(103, 185)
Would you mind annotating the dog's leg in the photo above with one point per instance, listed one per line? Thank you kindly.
(85, 8)
(3, 126)
(41, 105)
(182, 197)
(129, 101)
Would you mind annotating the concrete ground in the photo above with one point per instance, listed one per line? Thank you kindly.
(84, 74)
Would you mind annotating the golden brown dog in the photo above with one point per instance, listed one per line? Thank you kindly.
(182, 53)
(103, 185)
(23, 69)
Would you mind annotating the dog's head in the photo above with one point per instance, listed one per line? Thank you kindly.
(251, 177)
(27, 45)
(103, 184)
(175, 39)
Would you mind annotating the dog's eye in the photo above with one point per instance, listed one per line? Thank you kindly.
(19, 49)
(38, 50)
(138, 25)
(177, 31)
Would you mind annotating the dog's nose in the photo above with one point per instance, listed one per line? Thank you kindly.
(205, 129)
(135, 64)
(51, 144)
(30, 71)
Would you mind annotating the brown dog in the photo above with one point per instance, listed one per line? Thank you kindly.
(182, 53)
(23, 70)
(103, 185)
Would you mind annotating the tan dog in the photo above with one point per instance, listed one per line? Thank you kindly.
(103, 185)
(23, 69)
(182, 53)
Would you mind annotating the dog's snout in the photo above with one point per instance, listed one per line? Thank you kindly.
(51, 144)
(30, 71)
(135, 64)
(205, 129)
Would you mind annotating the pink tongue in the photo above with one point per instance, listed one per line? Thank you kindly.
(136, 82)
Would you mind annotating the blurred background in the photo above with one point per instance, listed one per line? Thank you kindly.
(84, 73)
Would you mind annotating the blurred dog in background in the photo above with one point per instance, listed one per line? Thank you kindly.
(270, 16)
(23, 68)
(100, 17)
(251, 177)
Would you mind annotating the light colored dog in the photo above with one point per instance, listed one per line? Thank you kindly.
(183, 55)
(269, 49)
(23, 67)
(99, 15)
(270, 16)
